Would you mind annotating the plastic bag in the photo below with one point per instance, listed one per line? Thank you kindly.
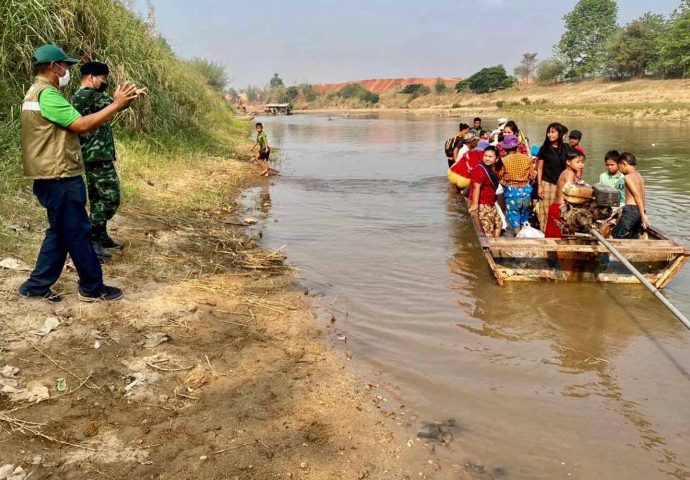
(528, 231)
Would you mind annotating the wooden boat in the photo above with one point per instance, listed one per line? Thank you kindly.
(659, 258)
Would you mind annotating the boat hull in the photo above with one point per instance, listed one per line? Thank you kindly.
(659, 258)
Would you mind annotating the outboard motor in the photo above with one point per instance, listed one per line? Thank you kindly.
(586, 207)
(576, 212)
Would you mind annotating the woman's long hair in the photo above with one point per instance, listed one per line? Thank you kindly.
(561, 129)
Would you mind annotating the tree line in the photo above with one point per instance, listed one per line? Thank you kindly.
(594, 45)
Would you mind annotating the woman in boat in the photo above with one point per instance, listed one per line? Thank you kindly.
(511, 128)
(516, 177)
(551, 161)
(483, 196)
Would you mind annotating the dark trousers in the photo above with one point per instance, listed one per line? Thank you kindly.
(69, 232)
(629, 225)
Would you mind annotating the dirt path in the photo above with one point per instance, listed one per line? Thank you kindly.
(242, 386)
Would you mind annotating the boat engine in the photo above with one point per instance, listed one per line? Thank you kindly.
(585, 207)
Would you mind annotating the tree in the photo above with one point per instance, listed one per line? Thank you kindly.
(588, 27)
(675, 44)
(214, 72)
(633, 50)
(549, 71)
(292, 93)
(276, 81)
(440, 86)
(487, 80)
(527, 66)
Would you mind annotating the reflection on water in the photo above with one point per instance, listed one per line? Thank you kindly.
(543, 380)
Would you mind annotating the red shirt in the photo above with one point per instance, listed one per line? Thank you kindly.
(487, 191)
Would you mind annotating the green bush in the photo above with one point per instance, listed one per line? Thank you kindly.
(358, 92)
(415, 90)
(308, 92)
(550, 71)
(462, 86)
(456, 105)
(440, 86)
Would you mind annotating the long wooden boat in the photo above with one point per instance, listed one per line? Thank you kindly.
(659, 258)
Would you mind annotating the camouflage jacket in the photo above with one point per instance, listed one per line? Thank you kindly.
(97, 145)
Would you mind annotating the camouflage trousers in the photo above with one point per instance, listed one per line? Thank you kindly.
(104, 192)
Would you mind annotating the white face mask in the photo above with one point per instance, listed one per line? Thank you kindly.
(64, 80)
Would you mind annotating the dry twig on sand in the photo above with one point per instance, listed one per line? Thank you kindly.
(24, 426)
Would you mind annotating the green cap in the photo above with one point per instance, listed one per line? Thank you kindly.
(52, 53)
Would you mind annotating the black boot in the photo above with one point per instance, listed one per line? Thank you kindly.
(101, 252)
(96, 232)
(108, 242)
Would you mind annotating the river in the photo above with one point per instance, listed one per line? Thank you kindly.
(541, 380)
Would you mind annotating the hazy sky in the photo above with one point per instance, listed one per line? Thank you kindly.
(334, 41)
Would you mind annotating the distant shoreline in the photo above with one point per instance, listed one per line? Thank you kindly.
(636, 100)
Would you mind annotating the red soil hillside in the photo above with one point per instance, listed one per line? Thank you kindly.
(383, 85)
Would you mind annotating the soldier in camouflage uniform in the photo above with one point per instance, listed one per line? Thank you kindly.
(98, 149)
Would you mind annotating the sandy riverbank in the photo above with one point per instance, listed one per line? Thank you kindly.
(242, 385)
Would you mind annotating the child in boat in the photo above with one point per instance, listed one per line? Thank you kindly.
(484, 185)
(575, 163)
(612, 176)
(264, 150)
(634, 218)
(575, 138)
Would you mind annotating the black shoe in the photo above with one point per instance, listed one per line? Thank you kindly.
(107, 242)
(107, 294)
(101, 252)
(49, 295)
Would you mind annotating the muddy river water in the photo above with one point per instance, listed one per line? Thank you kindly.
(542, 380)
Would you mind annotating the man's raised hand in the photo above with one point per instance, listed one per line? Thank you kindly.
(124, 95)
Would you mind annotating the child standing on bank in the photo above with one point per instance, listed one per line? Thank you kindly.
(612, 176)
(634, 218)
(484, 185)
(575, 163)
(264, 150)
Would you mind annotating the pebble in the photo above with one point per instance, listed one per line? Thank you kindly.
(303, 465)
(203, 457)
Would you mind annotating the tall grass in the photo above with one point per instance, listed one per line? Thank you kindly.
(184, 115)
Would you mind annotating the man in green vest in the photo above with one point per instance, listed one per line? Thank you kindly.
(52, 159)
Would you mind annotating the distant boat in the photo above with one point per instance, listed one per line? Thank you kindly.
(278, 108)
